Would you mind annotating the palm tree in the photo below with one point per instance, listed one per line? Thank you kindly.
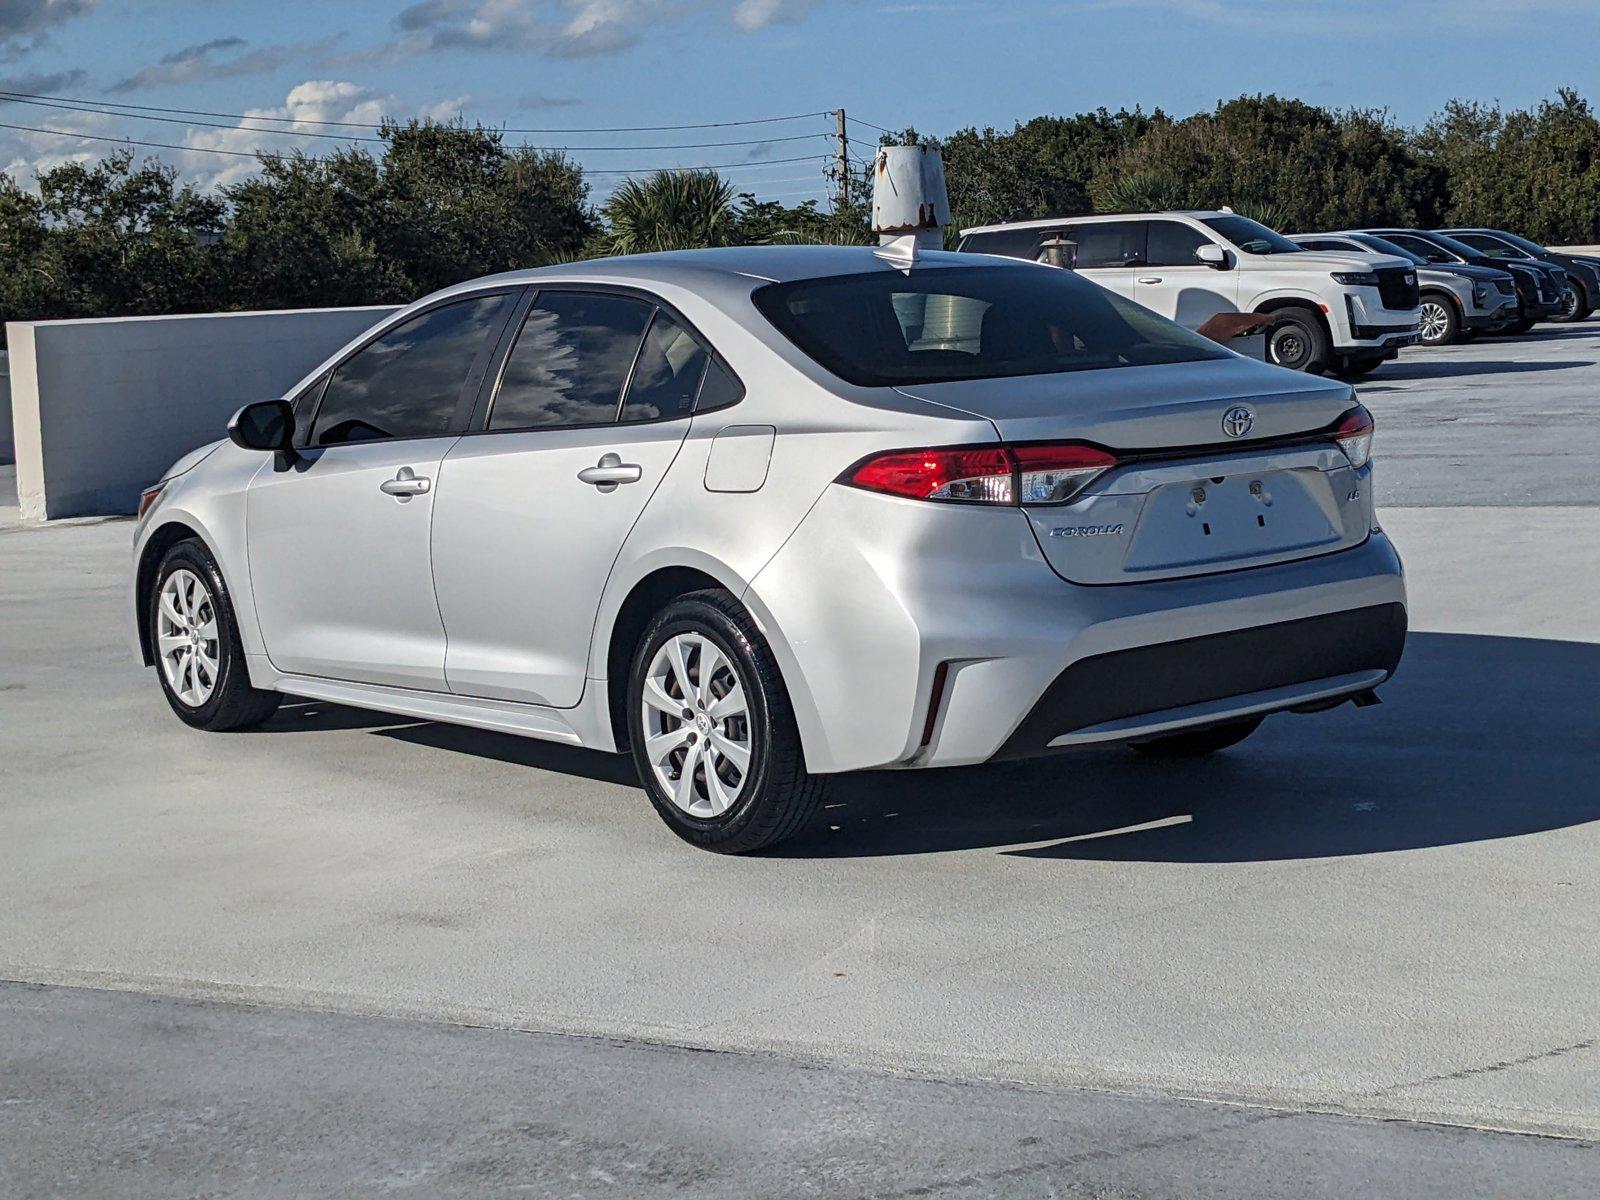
(670, 210)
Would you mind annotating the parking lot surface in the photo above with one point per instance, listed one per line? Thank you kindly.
(1387, 912)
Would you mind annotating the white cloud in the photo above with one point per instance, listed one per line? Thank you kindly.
(314, 100)
(758, 14)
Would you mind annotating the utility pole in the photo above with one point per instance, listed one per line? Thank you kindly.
(842, 163)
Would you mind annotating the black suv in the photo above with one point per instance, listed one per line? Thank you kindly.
(1583, 272)
(1541, 286)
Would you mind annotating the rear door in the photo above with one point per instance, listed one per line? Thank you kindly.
(338, 542)
(1176, 284)
(1110, 252)
(590, 408)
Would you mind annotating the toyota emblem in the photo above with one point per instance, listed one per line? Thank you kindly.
(1237, 421)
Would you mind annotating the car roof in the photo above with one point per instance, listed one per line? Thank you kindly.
(1050, 222)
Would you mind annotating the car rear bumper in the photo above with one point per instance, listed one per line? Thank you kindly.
(919, 635)
(1173, 685)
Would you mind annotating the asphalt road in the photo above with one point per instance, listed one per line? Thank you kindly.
(1386, 913)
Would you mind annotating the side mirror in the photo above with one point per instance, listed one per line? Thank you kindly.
(265, 425)
(1213, 256)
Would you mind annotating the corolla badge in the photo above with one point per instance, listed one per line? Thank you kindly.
(1237, 421)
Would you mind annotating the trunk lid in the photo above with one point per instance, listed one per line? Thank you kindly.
(1186, 498)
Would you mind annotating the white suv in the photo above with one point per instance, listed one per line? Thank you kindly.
(1345, 312)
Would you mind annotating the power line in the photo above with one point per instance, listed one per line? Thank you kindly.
(73, 106)
(124, 141)
(200, 112)
(870, 125)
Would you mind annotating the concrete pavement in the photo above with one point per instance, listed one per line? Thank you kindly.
(1386, 912)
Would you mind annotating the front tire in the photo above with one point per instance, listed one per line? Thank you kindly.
(1196, 743)
(194, 642)
(1576, 305)
(711, 730)
(1441, 323)
(1297, 340)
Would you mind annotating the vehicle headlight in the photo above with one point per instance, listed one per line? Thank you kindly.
(1480, 294)
(1356, 278)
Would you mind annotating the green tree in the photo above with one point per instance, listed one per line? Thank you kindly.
(670, 210)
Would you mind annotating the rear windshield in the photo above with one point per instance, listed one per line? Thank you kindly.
(936, 324)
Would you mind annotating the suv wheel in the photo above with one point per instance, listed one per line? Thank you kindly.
(1575, 305)
(711, 730)
(1359, 366)
(194, 641)
(1198, 742)
(1441, 325)
(1297, 340)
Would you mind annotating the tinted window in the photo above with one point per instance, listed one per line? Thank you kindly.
(719, 389)
(668, 373)
(1421, 246)
(408, 382)
(570, 361)
(1380, 245)
(1491, 246)
(1173, 245)
(1312, 243)
(883, 328)
(1013, 243)
(1108, 244)
(1251, 236)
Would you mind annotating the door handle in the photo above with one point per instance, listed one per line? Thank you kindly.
(610, 472)
(406, 484)
(1149, 279)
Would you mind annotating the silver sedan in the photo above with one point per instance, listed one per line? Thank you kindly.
(760, 516)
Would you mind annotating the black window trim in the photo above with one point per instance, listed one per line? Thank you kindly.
(1133, 264)
(470, 386)
(483, 406)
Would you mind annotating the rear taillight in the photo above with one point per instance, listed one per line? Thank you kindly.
(148, 497)
(1354, 435)
(1029, 475)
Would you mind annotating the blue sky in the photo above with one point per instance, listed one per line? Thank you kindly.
(935, 64)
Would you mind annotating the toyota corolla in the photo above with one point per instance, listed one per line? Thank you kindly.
(761, 516)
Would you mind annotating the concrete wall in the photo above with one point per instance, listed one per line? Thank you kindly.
(103, 407)
(8, 449)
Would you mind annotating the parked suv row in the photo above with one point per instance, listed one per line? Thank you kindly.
(1459, 300)
(1331, 311)
(1541, 286)
(1583, 271)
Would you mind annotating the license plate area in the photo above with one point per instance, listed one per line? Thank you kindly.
(1235, 519)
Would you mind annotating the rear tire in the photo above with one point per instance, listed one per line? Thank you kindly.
(1198, 742)
(712, 732)
(194, 642)
(1297, 340)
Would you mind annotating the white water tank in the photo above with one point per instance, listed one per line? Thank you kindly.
(908, 195)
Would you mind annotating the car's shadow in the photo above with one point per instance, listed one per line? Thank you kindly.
(1478, 738)
(1418, 368)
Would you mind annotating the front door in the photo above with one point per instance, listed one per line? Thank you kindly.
(1174, 283)
(339, 541)
(591, 408)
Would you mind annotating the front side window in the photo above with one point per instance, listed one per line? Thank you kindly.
(407, 383)
(570, 361)
(1174, 244)
(1421, 246)
(1327, 244)
(1492, 246)
(883, 328)
(1370, 242)
(667, 376)
(1251, 236)
(1108, 244)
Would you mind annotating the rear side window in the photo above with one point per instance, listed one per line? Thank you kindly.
(884, 328)
(719, 389)
(667, 376)
(1173, 244)
(1109, 243)
(407, 383)
(570, 362)
(1012, 243)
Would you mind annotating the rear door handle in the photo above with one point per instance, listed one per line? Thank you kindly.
(406, 484)
(610, 472)
(1149, 279)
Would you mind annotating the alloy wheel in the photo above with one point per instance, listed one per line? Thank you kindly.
(186, 638)
(696, 720)
(1435, 321)
(1569, 304)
